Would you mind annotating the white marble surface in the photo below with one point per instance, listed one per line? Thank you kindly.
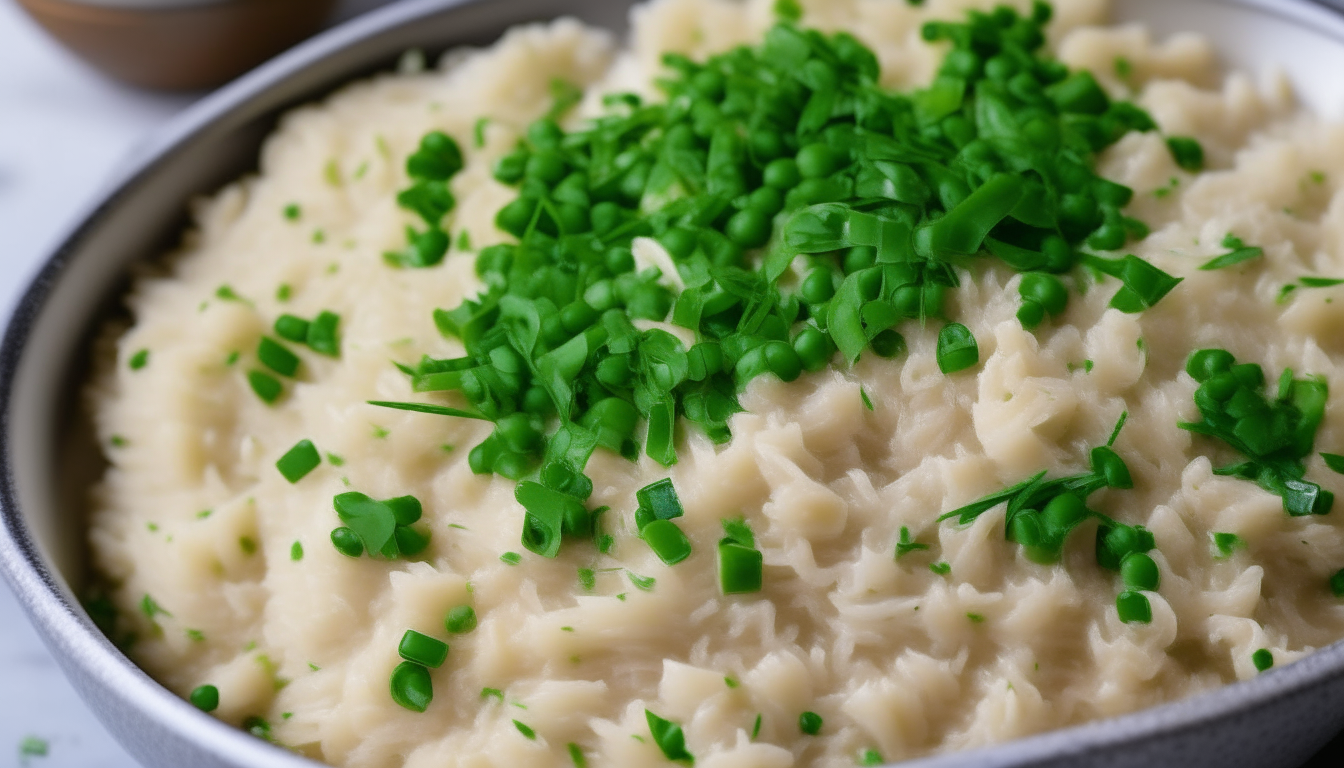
(63, 130)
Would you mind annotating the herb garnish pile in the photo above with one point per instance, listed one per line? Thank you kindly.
(698, 212)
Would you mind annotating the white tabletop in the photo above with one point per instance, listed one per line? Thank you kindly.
(63, 129)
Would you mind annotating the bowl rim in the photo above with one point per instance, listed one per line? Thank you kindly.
(80, 647)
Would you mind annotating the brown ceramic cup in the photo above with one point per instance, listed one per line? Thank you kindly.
(178, 44)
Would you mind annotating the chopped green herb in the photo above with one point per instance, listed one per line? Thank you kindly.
(1321, 282)
(118, 441)
(976, 618)
(867, 401)
(138, 360)
(412, 687)
(331, 172)
(1224, 544)
(380, 432)
(941, 568)
(644, 583)
(1334, 461)
(152, 609)
(957, 349)
(227, 293)
(1187, 152)
(319, 236)
(905, 545)
(195, 635)
(292, 212)
(232, 358)
(756, 726)
(511, 558)
(283, 292)
(788, 10)
(576, 755)
(587, 579)
(1240, 252)
(296, 551)
(1123, 68)
(478, 131)
(299, 461)
(730, 682)
(335, 460)
(669, 738)
(266, 386)
(248, 545)
(275, 356)
(870, 757)
(322, 334)
(1274, 435)
(667, 541)
(422, 649)
(492, 693)
(525, 730)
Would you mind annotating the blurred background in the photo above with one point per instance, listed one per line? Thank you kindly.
(64, 129)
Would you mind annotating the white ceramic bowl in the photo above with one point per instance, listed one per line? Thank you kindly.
(48, 458)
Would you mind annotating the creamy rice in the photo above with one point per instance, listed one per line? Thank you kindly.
(884, 650)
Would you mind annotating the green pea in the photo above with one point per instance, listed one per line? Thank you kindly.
(818, 286)
(906, 300)
(680, 242)
(515, 217)
(1204, 364)
(767, 200)
(573, 219)
(205, 698)
(1000, 68)
(601, 295)
(1064, 512)
(460, 619)
(614, 370)
(1110, 193)
(412, 687)
(347, 542)
(859, 257)
(818, 160)
(1026, 528)
(510, 168)
(1139, 571)
(546, 167)
(537, 401)
(606, 217)
(1107, 463)
(1046, 290)
(1133, 607)
(766, 144)
(749, 228)
(620, 260)
(751, 364)
(1249, 375)
(1108, 237)
(1059, 255)
(782, 174)
(518, 432)
(782, 360)
(410, 542)
(708, 83)
(635, 181)
(650, 302)
(814, 348)
(1221, 387)
(577, 316)
(888, 343)
(1030, 314)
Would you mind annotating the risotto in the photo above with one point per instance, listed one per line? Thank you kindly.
(703, 439)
